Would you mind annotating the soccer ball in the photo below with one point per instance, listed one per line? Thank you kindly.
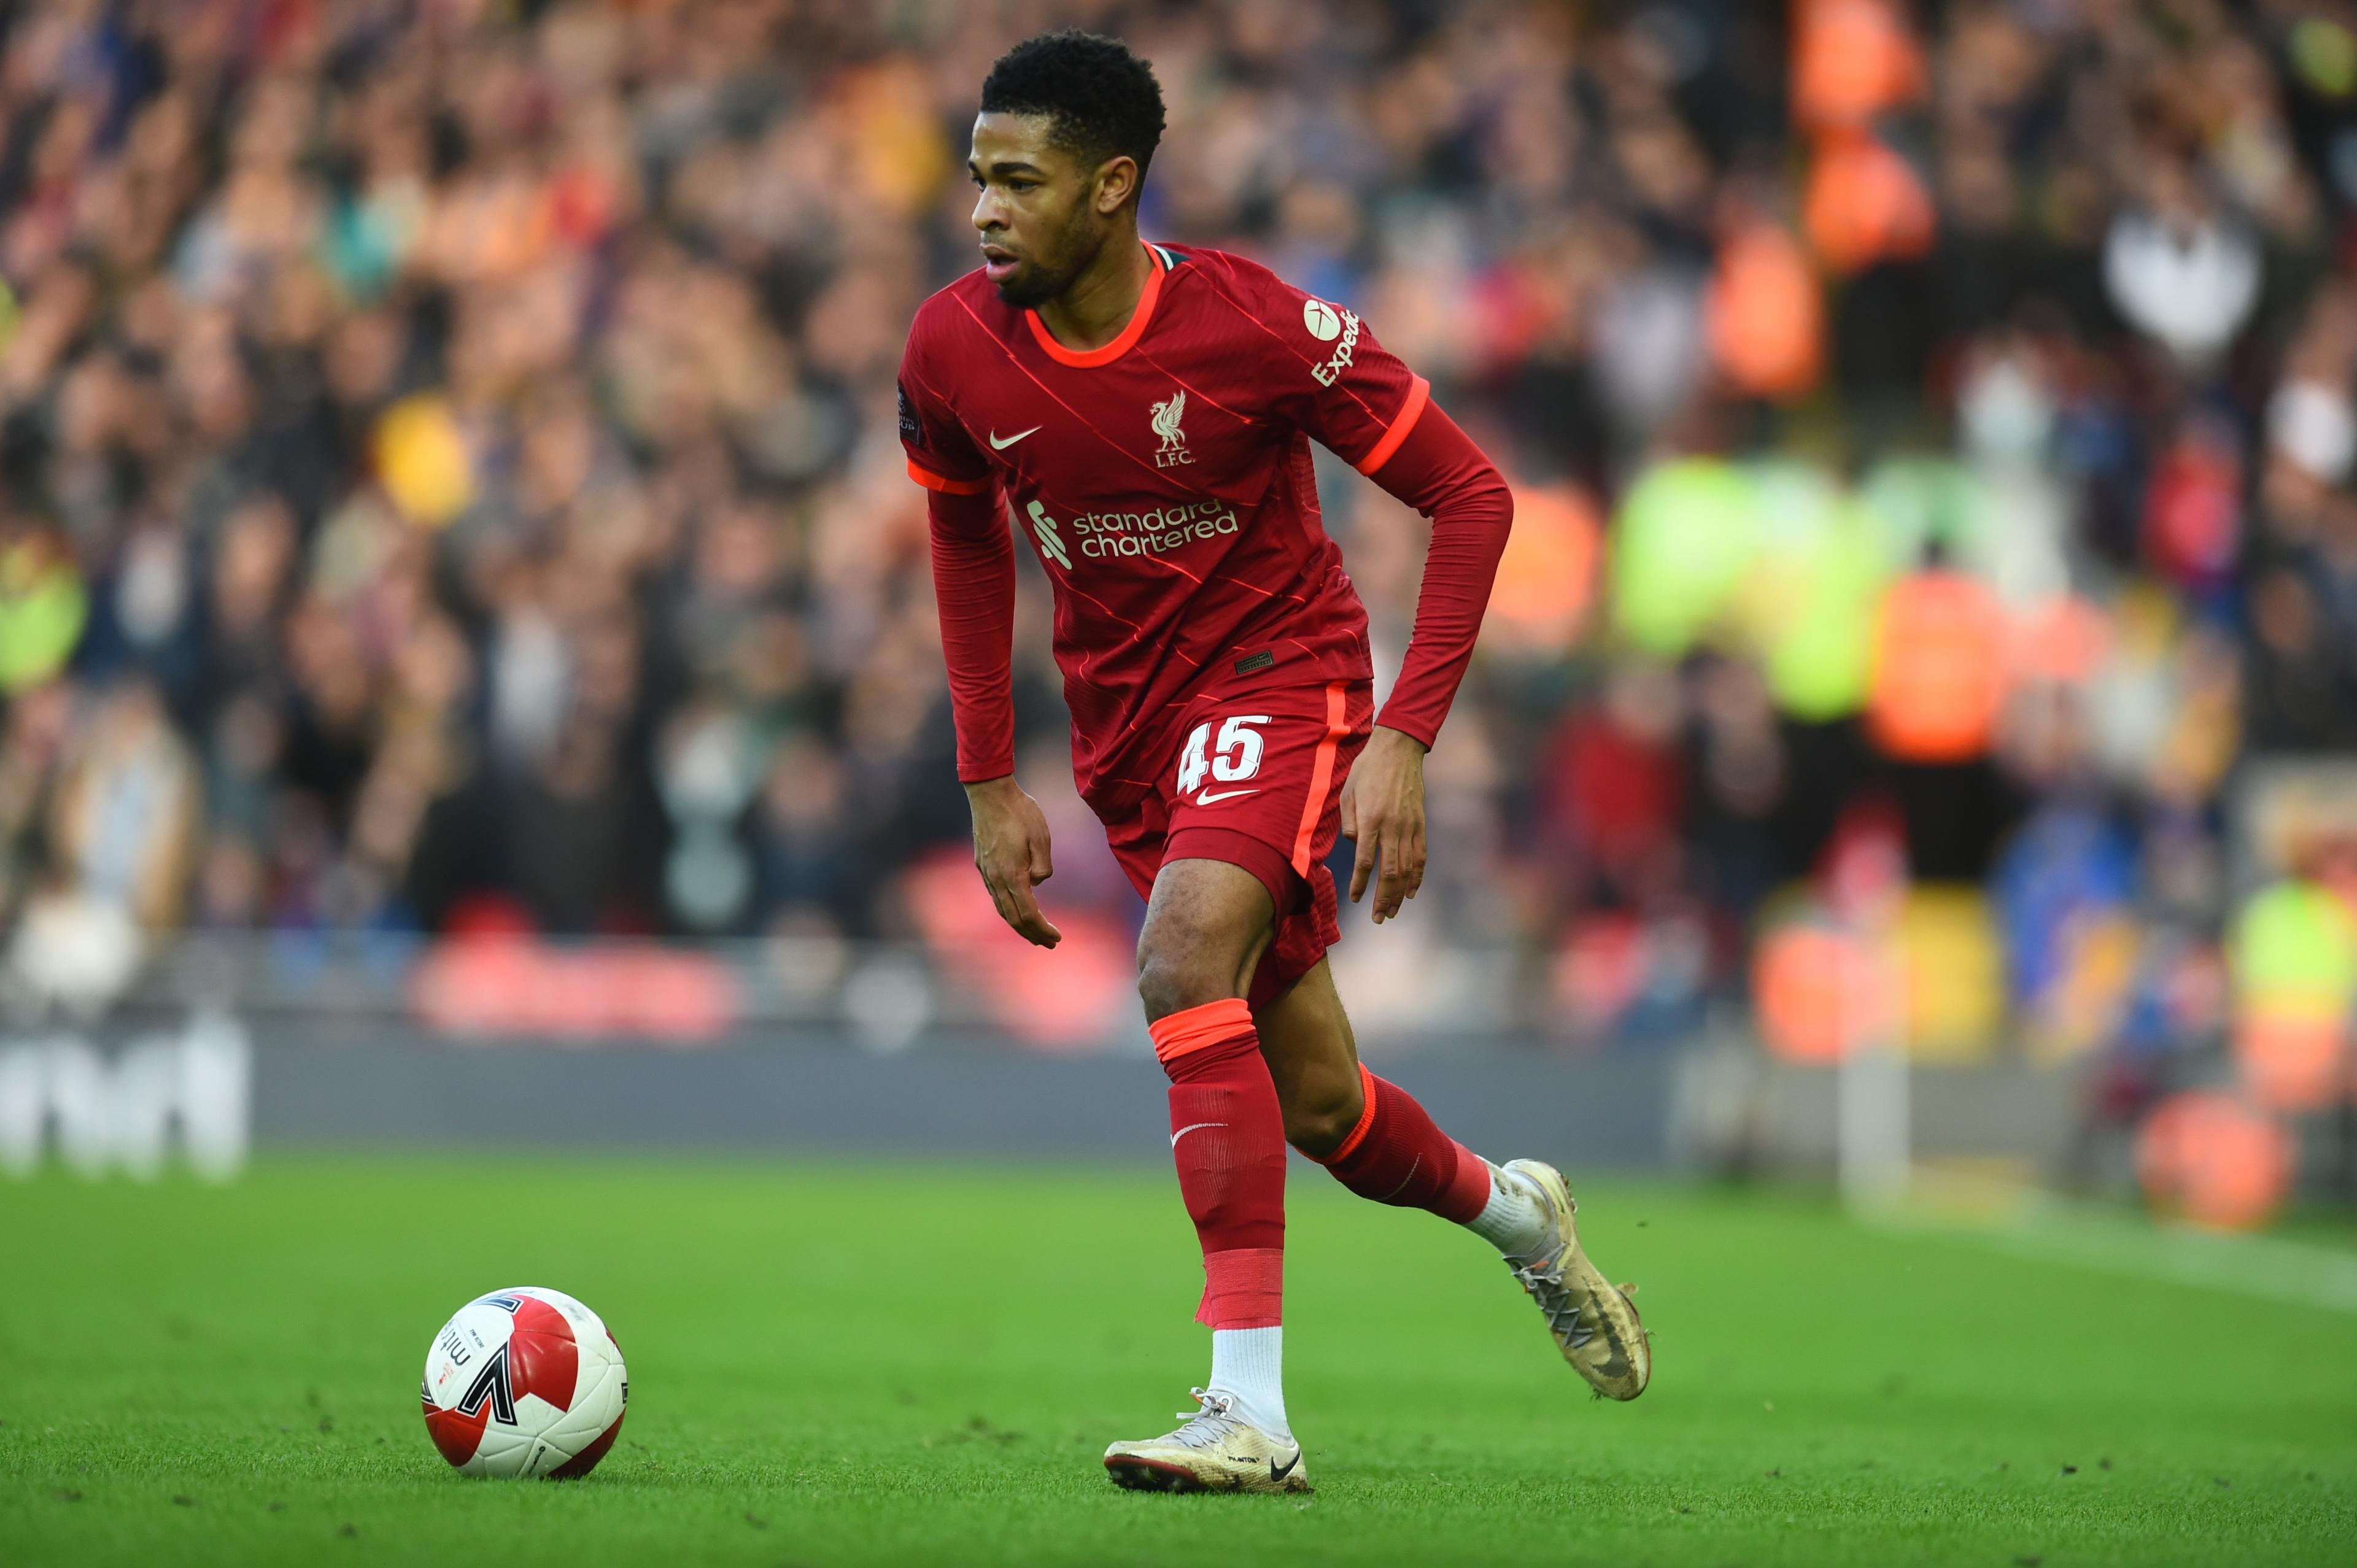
(525, 1383)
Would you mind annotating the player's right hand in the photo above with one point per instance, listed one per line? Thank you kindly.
(1010, 850)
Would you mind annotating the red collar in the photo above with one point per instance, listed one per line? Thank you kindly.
(1089, 359)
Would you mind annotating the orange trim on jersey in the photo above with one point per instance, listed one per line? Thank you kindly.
(1089, 359)
(1419, 392)
(1200, 1028)
(948, 486)
(1321, 774)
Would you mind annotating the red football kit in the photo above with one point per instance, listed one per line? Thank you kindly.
(1215, 662)
(1214, 652)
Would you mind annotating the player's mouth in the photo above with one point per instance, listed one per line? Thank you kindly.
(998, 263)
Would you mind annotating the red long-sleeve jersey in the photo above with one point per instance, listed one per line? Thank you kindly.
(1165, 481)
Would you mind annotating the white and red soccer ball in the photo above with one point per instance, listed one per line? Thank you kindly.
(525, 1383)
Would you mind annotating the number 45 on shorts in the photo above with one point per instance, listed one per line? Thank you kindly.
(1234, 758)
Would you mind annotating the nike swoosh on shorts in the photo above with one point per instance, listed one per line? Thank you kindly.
(1223, 795)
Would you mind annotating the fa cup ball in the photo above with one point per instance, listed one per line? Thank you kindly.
(525, 1383)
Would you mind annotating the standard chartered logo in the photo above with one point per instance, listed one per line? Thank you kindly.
(1150, 530)
(1051, 544)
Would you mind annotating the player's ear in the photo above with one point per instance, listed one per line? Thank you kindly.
(1117, 183)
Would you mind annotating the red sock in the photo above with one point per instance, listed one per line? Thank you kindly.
(1397, 1155)
(1227, 1137)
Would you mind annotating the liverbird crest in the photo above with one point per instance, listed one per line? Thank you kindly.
(1166, 418)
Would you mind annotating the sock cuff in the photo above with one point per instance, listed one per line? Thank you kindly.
(1194, 1030)
(1243, 1287)
(1367, 1082)
(1469, 1192)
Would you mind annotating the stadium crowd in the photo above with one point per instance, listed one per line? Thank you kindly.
(447, 478)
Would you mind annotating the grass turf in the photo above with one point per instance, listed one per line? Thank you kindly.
(840, 1367)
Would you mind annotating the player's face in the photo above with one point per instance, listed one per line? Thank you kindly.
(1043, 215)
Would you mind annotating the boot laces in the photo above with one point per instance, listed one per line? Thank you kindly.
(1542, 1278)
(1211, 1423)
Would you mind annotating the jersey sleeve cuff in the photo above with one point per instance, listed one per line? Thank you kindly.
(1419, 393)
(944, 484)
(986, 769)
(1416, 729)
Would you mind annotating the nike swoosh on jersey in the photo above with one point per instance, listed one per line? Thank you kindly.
(1223, 795)
(998, 446)
(1195, 1127)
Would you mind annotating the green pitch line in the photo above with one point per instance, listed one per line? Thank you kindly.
(833, 1367)
(2317, 1270)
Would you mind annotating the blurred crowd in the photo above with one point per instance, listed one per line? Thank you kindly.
(447, 477)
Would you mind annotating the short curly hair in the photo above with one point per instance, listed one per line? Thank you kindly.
(1103, 100)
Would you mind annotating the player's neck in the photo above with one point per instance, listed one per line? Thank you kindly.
(1093, 310)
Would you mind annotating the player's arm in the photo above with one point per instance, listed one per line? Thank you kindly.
(1439, 470)
(974, 592)
(1332, 379)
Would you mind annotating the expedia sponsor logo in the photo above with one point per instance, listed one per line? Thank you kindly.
(1327, 374)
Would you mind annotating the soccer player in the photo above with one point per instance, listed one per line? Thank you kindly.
(1142, 413)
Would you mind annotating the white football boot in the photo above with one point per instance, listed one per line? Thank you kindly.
(1215, 1451)
(1592, 1320)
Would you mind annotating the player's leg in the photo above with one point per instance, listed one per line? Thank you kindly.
(1372, 1136)
(1381, 1144)
(1207, 923)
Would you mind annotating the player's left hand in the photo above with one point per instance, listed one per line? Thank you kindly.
(1382, 813)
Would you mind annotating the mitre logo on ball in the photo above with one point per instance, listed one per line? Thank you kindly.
(525, 1381)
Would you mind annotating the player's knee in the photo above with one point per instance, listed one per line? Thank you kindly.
(1322, 1115)
(1204, 924)
(1176, 974)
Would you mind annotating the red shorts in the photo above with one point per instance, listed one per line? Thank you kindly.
(1257, 782)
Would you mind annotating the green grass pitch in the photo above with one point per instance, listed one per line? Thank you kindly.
(857, 1365)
